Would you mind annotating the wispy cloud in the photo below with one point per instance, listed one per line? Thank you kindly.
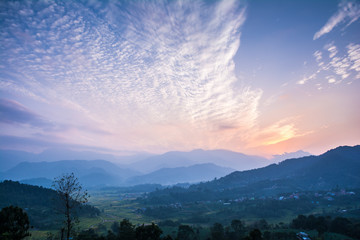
(277, 132)
(348, 12)
(336, 68)
(131, 66)
(12, 112)
(32, 144)
(353, 51)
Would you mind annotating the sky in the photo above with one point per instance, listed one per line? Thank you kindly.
(259, 77)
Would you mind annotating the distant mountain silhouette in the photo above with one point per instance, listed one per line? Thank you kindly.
(41, 182)
(58, 154)
(191, 174)
(224, 158)
(337, 168)
(103, 173)
(286, 155)
(97, 172)
(10, 158)
(143, 162)
(168, 168)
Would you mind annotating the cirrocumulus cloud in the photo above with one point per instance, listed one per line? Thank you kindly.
(152, 73)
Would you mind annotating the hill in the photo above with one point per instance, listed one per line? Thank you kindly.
(90, 173)
(191, 174)
(102, 173)
(168, 168)
(336, 168)
(224, 158)
(10, 158)
(38, 202)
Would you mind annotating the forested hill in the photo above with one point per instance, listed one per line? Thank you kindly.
(39, 203)
(336, 168)
(339, 166)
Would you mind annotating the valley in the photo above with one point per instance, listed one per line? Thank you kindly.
(268, 199)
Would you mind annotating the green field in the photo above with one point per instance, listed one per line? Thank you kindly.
(115, 206)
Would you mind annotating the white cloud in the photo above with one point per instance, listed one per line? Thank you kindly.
(306, 79)
(318, 56)
(343, 67)
(348, 12)
(135, 64)
(332, 79)
(354, 57)
(332, 50)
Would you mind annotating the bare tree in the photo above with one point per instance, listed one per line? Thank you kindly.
(71, 195)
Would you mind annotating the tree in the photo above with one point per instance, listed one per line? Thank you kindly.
(321, 225)
(238, 227)
(300, 222)
(14, 223)
(111, 236)
(340, 225)
(217, 231)
(185, 232)
(126, 230)
(255, 234)
(71, 195)
(89, 234)
(167, 237)
(115, 227)
(148, 232)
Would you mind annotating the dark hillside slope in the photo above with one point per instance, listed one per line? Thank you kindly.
(336, 168)
(39, 203)
(340, 166)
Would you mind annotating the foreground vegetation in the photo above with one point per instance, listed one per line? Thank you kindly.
(318, 227)
(328, 215)
(41, 204)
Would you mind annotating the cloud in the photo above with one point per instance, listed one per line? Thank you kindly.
(37, 144)
(336, 68)
(12, 112)
(354, 57)
(348, 12)
(306, 79)
(331, 79)
(332, 50)
(131, 66)
(277, 132)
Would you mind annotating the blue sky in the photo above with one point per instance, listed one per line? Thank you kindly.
(259, 77)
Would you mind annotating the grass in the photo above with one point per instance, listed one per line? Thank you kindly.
(116, 206)
(38, 235)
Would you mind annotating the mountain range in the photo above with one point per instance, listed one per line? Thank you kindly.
(10, 158)
(224, 158)
(90, 172)
(192, 174)
(140, 161)
(337, 168)
(103, 173)
(168, 168)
